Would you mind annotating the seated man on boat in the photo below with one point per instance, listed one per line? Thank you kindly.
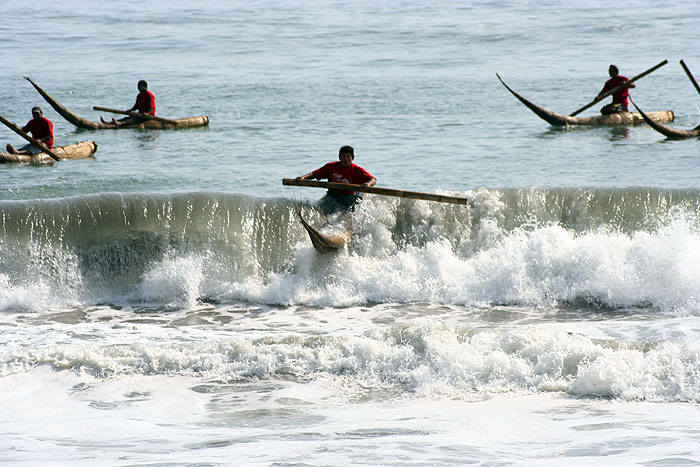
(145, 104)
(619, 99)
(342, 171)
(41, 129)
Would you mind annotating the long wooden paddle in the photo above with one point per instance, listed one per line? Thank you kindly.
(36, 143)
(690, 76)
(376, 190)
(135, 114)
(622, 86)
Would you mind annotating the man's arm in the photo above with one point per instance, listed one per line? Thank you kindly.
(370, 182)
(308, 176)
(135, 106)
(49, 130)
(602, 91)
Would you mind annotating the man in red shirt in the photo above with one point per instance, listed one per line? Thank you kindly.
(619, 103)
(145, 104)
(343, 171)
(41, 129)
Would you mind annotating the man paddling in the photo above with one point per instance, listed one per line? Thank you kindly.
(619, 99)
(41, 129)
(343, 171)
(145, 104)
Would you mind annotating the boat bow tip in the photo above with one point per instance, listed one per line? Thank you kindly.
(667, 131)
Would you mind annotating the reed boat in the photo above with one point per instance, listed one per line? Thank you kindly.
(73, 151)
(81, 122)
(323, 243)
(622, 118)
(672, 133)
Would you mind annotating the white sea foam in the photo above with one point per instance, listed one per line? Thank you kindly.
(20, 297)
(538, 266)
(427, 358)
(543, 267)
(179, 420)
(175, 282)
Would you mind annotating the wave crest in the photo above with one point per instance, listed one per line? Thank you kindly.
(535, 247)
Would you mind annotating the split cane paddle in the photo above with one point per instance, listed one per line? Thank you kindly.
(690, 76)
(376, 190)
(135, 114)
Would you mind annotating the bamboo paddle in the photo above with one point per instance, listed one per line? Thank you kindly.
(376, 190)
(36, 143)
(690, 75)
(619, 88)
(135, 114)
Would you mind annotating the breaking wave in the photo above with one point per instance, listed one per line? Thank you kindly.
(538, 247)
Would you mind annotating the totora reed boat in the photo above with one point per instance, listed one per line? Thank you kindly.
(81, 122)
(622, 118)
(73, 151)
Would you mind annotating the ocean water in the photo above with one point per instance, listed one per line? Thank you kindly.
(160, 303)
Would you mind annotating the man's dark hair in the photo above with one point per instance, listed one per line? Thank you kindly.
(613, 67)
(145, 84)
(345, 149)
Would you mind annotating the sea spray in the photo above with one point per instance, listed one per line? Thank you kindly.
(537, 247)
(424, 357)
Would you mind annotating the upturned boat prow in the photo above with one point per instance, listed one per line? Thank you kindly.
(671, 133)
(322, 243)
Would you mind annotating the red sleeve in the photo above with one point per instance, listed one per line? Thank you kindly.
(49, 143)
(360, 175)
(152, 102)
(323, 172)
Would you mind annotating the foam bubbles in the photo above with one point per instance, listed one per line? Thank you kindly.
(175, 281)
(534, 248)
(543, 266)
(427, 358)
(28, 296)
